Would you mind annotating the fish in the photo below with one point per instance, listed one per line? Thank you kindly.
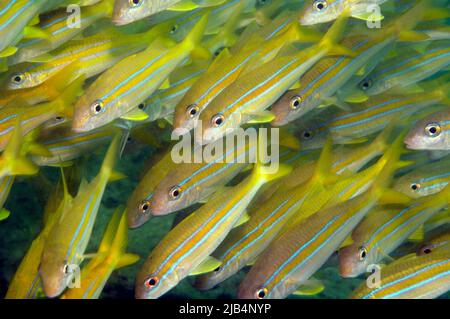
(33, 117)
(65, 145)
(5, 187)
(321, 11)
(13, 160)
(66, 244)
(415, 277)
(128, 11)
(112, 96)
(140, 202)
(437, 243)
(163, 102)
(431, 133)
(367, 118)
(189, 244)
(406, 68)
(15, 16)
(226, 68)
(59, 31)
(267, 219)
(26, 282)
(345, 160)
(192, 182)
(45, 92)
(110, 256)
(426, 180)
(300, 251)
(384, 230)
(318, 86)
(93, 55)
(246, 99)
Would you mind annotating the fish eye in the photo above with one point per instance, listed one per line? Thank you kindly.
(17, 78)
(217, 120)
(320, 5)
(175, 192)
(66, 269)
(135, 3)
(426, 250)
(261, 293)
(174, 29)
(141, 106)
(192, 110)
(307, 135)
(362, 253)
(152, 282)
(144, 207)
(433, 130)
(97, 107)
(217, 269)
(217, 52)
(415, 187)
(295, 102)
(365, 84)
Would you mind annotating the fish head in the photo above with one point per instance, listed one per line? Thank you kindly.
(430, 133)
(426, 249)
(151, 283)
(128, 11)
(321, 11)
(55, 273)
(91, 113)
(291, 106)
(255, 287)
(353, 260)
(20, 80)
(186, 116)
(138, 208)
(169, 196)
(410, 186)
(373, 85)
(213, 125)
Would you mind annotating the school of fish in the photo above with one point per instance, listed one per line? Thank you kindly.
(355, 95)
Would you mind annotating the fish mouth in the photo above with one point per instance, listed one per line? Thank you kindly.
(119, 22)
(410, 144)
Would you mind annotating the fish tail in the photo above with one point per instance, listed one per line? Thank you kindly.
(334, 35)
(322, 172)
(263, 174)
(65, 101)
(62, 79)
(193, 39)
(228, 31)
(408, 21)
(443, 197)
(119, 242)
(390, 163)
(381, 142)
(107, 171)
(14, 158)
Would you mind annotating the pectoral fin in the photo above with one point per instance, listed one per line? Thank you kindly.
(208, 265)
(310, 287)
(136, 115)
(260, 117)
(185, 5)
(4, 213)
